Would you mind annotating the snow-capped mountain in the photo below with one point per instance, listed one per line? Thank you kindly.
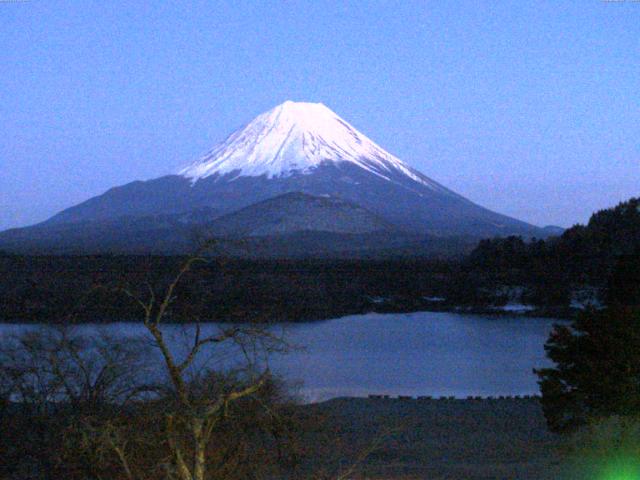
(297, 137)
(296, 147)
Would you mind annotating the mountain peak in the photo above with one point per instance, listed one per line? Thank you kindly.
(296, 138)
(299, 106)
(306, 116)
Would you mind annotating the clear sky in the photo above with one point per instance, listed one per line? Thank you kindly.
(530, 108)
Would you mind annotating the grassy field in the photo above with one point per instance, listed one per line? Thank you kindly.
(432, 439)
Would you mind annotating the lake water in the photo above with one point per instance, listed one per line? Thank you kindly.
(424, 353)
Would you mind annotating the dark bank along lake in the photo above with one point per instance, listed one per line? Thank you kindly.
(424, 353)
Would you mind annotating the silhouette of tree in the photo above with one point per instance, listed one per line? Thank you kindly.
(597, 368)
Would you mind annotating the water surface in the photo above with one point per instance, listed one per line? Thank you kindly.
(423, 353)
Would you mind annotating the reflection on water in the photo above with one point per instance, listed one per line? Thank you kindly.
(423, 353)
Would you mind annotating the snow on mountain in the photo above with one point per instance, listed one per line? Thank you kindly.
(297, 137)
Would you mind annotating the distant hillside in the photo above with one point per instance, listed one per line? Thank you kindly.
(298, 212)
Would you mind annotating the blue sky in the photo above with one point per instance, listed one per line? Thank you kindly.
(530, 108)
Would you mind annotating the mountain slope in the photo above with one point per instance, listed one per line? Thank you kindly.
(164, 233)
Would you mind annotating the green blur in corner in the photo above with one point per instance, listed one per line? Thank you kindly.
(622, 469)
(625, 468)
(619, 467)
(605, 449)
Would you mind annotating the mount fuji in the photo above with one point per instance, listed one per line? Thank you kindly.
(296, 168)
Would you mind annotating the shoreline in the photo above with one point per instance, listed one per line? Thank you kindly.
(559, 313)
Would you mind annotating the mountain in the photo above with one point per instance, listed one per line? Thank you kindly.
(295, 147)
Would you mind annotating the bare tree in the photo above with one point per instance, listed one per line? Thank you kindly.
(58, 365)
(196, 406)
(52, 376)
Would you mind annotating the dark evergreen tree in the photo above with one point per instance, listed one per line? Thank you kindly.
(623, 287)
(597, 368)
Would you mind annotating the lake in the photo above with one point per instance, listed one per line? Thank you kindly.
(423, 353)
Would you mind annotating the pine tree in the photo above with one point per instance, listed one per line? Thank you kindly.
(597, 368)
